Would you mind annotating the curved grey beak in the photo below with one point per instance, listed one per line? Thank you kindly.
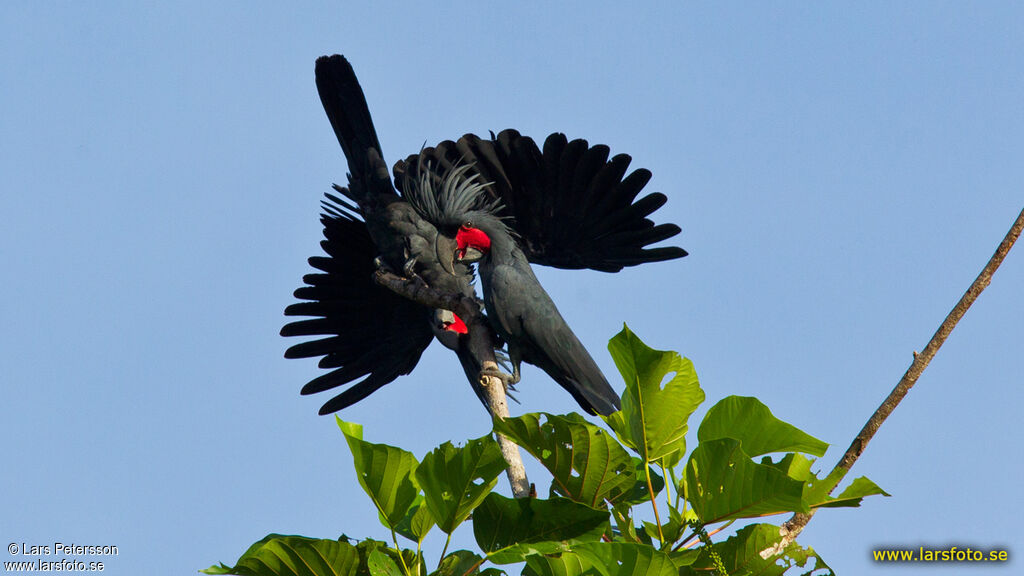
(444, 316)
(471, 256)
(444, 249)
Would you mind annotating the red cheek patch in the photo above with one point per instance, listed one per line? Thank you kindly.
(458, 326)
(472, 238)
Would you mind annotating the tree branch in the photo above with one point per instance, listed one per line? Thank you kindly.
(792, 527)
(482, 343)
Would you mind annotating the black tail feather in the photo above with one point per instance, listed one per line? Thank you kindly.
(346, 108)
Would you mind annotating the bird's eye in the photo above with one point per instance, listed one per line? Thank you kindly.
(468, 224)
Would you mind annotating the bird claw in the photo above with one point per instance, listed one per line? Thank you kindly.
(381, 265)
(507, 380)
(408, 269)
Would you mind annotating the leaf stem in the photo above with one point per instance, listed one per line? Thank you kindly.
(668, 489)
(444, 550)
(684, 544)
(398, 549)
(474, 567)
(654, 504)
(419, 556)
(681, 492)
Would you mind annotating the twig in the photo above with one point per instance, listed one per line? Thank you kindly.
(480, 340)
(792, 527)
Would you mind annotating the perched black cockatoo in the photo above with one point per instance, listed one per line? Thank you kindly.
(372, 332)
(569, 207)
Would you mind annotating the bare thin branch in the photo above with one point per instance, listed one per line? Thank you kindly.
(792, 527)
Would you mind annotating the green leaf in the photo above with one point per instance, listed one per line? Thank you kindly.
(671, 530)
(379, 564)
(685, 556)
(279, 555)
(456, 480)
(626, 559)
(509, 529)
(852, 495)
(639, 493)
(585, 462)
(741, 554)
(384, 472)
(748, 420)
(816, 491)
(653, 419)
(567, 564)
(795, 465)
(417, 521)
(625, 529)
(372, 553)
(458, 563)
(725, 483)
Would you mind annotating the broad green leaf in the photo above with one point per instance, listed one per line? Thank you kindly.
(741, 554)
(456, 480)
(350, 428)
(458, 563)
(567, 564)
(417, 521)
(852, 495)
(725, 483)
(748, 420)
(371, 552)
(639, 493)
(279, 555)
(653, 417)
(379, 564)
(795, 465)
(816, 491)
(685, 556)
(626, 559)
(585, 462)
(509, 529)
(384, 472)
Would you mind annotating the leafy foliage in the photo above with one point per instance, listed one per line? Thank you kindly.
(585, 462)
(508, 529)
(724, 483)
(752, 423)
(384, 472)
(589, 525)
(653, 419)
(741, 554)
(456, 480)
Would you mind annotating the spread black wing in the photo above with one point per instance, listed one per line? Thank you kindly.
(570, 204)
(369, 330)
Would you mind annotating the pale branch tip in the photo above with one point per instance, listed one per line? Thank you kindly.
(417, 290)
(792, 527)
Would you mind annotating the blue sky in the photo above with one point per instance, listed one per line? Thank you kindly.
(841, 174)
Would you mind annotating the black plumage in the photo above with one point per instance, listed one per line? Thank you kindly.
(370, 331)
(567, 206)
(570, 206)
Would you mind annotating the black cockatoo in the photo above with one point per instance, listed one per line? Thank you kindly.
(569, 207)
(371, 331)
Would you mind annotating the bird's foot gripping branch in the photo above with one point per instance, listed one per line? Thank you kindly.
(606, 486)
